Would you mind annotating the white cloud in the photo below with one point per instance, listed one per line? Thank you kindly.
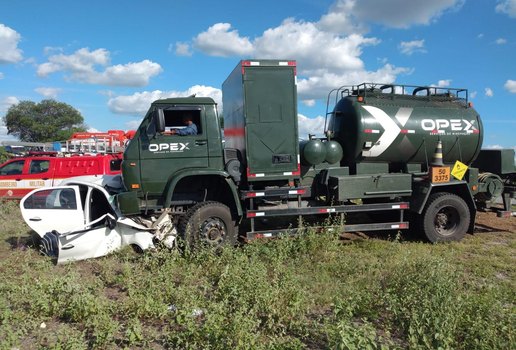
(82, 66)
(312, 47)
(510, 85)
(133, 124)
(317, 86)
(444, 83)
(508, 7)
(393, 13)
(139, 103)
(182, 49)
(328, 51)
(410, 47)
(340, 19)
(309, 103)
(473, 94)
(9, 51)
(220, 40)
(3, 134)
(48, 91)
(1, 75)
(310, 126)
(480, 36)
(7, 102)
(489, 92)
(501, 41)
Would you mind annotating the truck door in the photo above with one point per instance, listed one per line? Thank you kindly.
(39, 173)
(11, 179)
(181, 146)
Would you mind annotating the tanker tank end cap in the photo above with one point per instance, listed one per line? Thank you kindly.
(437, 159)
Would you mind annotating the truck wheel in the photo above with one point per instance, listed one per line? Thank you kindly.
(446, 218)
(208, 224)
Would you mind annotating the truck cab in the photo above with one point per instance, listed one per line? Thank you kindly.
(162, 168)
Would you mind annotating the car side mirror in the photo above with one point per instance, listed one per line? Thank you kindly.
(159, 120)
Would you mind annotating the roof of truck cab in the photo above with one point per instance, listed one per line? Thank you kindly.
(186, 100)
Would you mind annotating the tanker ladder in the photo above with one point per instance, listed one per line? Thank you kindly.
(300, 192)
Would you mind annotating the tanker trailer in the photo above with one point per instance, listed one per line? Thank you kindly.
(399, 126)
(400, 142)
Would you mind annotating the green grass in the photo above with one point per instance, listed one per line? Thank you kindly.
(311, 292)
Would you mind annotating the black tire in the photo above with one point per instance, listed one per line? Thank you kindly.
(446, 217)
(208, 224)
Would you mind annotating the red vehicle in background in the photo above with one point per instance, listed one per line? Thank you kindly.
(19, 176)
(84, 154)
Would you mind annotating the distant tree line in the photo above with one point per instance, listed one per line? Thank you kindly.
(48, 120)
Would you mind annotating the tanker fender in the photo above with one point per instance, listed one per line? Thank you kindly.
(423, 189)
(225, 176)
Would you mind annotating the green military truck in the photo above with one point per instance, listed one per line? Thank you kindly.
(393, 157)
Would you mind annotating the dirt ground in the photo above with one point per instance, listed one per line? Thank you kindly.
(489, 222)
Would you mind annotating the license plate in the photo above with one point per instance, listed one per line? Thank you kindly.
(440, 174)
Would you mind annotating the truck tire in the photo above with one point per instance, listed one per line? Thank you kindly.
(446, 217)
(208, 224)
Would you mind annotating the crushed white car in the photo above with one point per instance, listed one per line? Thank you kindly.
(79, 221)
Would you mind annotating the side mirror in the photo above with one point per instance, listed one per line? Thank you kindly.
(159, 120)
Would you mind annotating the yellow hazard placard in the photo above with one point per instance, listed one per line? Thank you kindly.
(459, 169)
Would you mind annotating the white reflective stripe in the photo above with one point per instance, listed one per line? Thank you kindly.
(395, 226)
(396, 206)
(391, 131)
(267, 235)
(260, 214)
(254, 63)
(331, 210)
(283, 63)
(375, 131)
(259, 175)
(287, 173)
(259, 194)
(403, 115)
(411, 131)
(292, 192)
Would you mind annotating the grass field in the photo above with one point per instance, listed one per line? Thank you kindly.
(311, 292)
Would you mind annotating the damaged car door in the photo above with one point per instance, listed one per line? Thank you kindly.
(56, 208)
(92, 230)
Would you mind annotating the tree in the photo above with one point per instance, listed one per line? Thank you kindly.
(46, 121)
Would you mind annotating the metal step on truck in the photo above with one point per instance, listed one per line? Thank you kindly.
(393, 157)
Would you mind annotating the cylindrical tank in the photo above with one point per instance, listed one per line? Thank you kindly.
(334, 152)
(405, 129)
(313, 152)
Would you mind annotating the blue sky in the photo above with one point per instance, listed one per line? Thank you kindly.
(111, 59)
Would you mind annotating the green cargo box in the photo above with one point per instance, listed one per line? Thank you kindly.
(497, 161)
(370, 186)
(260, 118)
